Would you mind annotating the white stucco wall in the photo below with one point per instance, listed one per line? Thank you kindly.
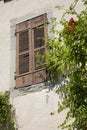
(32, 109)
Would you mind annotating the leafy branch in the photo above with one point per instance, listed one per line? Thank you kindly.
(67, 54)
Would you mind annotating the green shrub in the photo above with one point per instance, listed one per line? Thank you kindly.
(6, 113)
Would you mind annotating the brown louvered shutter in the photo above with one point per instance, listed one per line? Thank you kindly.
(30, 50)
(39, 40)
(23, 67)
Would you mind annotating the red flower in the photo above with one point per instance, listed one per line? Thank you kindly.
(71, 24)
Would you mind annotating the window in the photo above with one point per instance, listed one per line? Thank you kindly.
(30, 47)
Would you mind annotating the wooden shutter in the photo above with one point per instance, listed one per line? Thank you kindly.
(30, 48)
(39, 40)
(23, 56)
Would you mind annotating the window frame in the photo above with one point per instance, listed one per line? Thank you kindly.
(30, 25)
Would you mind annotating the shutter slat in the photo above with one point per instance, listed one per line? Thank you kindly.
(39, 59)
(39, 37)
(23, 41)
(23, 63)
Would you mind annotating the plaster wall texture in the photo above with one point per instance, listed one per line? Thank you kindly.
(32, 109)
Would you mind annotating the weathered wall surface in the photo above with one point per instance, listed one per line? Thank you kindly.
(33, 111)
(33, 108)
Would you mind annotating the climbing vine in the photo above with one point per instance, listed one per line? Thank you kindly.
(6, 113)
(67, 55)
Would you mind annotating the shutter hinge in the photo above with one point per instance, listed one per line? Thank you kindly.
(14, 75)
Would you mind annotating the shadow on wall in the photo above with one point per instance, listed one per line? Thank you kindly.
(6, 0)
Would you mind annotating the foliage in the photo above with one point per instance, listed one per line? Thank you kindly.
(6, 119)
(67, 54)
